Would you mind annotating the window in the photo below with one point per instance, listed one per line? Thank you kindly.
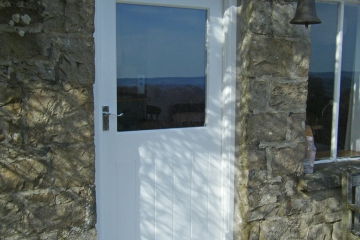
(161, 67)
(333, 110)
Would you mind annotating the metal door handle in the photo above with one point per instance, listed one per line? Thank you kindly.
(106, 113)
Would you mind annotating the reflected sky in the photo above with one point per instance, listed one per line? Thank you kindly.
(351, 36)
(323, 37)
(160, 41)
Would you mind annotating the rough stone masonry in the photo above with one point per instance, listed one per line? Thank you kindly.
(46, 124)
(46, 119)
(272, 70)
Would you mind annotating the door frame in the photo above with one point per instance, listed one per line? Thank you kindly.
(228, 116)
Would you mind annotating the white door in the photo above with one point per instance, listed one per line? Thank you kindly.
(158, 171)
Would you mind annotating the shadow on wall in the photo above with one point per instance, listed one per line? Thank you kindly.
(47, 159)
(46, 119)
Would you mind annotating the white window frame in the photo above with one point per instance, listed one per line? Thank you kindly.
(337, 81)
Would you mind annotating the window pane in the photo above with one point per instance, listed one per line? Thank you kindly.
(349, 84)
(161, 61)
(321, 77)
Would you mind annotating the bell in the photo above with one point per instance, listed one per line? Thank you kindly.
(305, 13)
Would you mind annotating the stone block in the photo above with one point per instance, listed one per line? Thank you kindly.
(263, 198)
(41, 236)
(289, 97)
(74, 233)
(332, 211)
(336, 231)
(327, 207)
(272, 58)
(4, 73)
(59, 115)
(78, 14)
(287, 161)
(299, 206)
(34, 73)
(80, 234)
(50, 217)
(282, 13)
(76, 62)
(279, 57)
(69, 16)
(263, 212)
(270, 196)
(57, 15)
(14, 131)
(258, 16)
(320, 231)
(279, 229)
(73, 165)
(31, 45)
(21, 12)
(21, 170)
(289, 187)
(255, 159)
(259, 96)
(301, 57)
(295, 126)
(67, 58)
(36, 212)
(10, 115)
(266, 127)
(10, 101)
(2, 135)
(11, 216)
(254, 231)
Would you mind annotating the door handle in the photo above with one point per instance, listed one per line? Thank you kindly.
(106, 114)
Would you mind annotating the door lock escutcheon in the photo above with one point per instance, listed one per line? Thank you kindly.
(106, 114)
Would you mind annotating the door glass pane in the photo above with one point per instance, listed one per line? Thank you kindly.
(161, 67)
(348, 134)
(321, 77)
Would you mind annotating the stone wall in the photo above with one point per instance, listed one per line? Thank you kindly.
(46, 119)
(46, 124)
(272, 69)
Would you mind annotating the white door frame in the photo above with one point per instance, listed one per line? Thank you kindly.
(228, 115)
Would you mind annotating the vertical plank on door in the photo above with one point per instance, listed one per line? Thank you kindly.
(182, 197)
(164, 189)
(200, 197)
(126, 174)
(147, 199)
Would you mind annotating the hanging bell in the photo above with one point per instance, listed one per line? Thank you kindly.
(305, 13)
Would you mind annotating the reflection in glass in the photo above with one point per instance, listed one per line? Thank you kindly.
(321, 85)
(321, 77)
(161, 65)
(349, 91)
